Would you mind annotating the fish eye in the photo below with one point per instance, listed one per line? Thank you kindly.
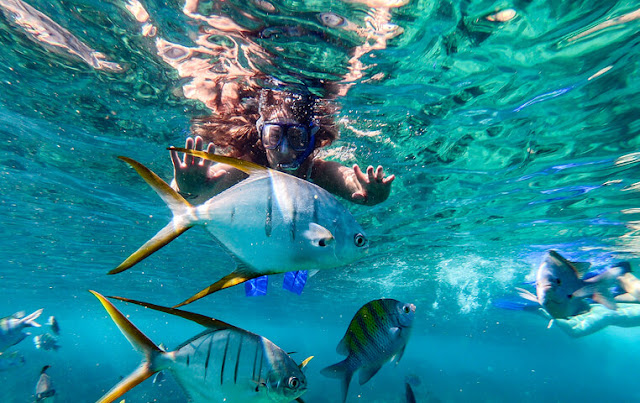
(294, 382)
(360, 240)
(406, 309)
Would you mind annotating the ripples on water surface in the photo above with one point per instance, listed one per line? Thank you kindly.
(509, 133)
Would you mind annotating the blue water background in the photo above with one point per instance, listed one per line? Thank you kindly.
(503, 142)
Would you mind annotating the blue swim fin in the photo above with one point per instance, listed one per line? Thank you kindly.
(294, 281)
(515, 305)
(256, 286)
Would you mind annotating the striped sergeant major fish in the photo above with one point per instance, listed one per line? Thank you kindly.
(270, 223)
(11, 328)
(223, 363)
(377, 334)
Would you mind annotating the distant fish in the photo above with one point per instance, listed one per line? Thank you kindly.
(560, 290)
(53, 323)
(45, 392)
(271, 222)
(223, 363)
(408, 392)
(11, 360)
(11, 328)
(377, 334)
(46, 341)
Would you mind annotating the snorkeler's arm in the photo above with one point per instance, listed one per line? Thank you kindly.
(198, 180)
(351, 183)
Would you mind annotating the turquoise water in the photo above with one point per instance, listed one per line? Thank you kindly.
(507, 139)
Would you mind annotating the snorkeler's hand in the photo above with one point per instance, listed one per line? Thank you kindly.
(375, 188)
(191, 174)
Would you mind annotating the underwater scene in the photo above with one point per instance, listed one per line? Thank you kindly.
(437, 201)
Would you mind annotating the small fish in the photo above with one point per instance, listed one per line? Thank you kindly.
(10, 360)
(223, 363)
(11, 328)
(44, 387)
(561, 291)
(377, 334)
(46, 341)
(271, 222)
(408, 392)
(53, 324)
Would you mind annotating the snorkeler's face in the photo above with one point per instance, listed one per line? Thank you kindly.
(286, 143)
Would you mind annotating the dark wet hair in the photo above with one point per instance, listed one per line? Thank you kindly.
(237, 136)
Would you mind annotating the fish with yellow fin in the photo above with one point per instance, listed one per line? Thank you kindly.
(270, 223)
(222, 363)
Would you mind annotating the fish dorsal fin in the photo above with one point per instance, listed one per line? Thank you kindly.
(203, 320)
(245, 166)
(580, 267)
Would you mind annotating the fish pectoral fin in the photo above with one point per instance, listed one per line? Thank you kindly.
(398, 356)
(395, 331)
(231, 279)
(318, 235)
(305, 362)
(367, 373)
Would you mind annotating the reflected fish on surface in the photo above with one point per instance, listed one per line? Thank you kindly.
(45, 392)
(11, 360)
(223, 363)
(11, 328)
(560, 290)
(271, 222)
(377, 334)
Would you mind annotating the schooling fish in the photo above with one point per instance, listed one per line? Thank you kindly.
(271, 222)
(560, 290)
(377, 334)
(223, 363)
(45, 392)
(11, 328)
(46, 341)
(53, 324)
(10, 360)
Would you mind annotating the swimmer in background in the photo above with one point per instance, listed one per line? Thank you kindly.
(598, 317)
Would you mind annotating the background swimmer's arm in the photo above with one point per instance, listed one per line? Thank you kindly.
(351, 183)
(198, 180)
(597, 318)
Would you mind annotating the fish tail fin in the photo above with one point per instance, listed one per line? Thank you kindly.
(340, 371)
(140, 342)
(31, 319)
(181, 222)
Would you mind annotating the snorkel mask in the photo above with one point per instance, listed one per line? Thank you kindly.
(300, 138)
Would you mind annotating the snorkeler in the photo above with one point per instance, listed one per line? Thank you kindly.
(287, 133)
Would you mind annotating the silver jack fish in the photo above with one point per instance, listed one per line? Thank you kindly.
(559, 288)
(377, 334)
(223, 363)
(270, 223)
(11, 328)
